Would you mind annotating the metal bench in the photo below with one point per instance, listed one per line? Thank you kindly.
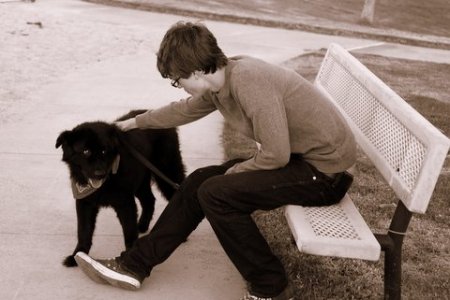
(407, 150)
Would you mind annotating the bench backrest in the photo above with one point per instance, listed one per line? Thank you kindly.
(406, 149)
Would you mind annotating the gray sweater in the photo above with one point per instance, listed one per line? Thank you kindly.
(277, 108)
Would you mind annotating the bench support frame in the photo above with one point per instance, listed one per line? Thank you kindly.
(391, 243)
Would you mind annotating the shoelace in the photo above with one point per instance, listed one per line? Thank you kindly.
(111, 263)
(252, 297)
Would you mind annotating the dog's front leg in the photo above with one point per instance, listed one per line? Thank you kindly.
(86, 217)
(126, 211)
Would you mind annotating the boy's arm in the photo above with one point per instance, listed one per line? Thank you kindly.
(175, 114)
(264, 106)
(271, 131)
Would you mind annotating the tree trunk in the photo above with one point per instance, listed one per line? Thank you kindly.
(368, 11)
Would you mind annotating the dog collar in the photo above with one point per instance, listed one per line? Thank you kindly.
(81, 191)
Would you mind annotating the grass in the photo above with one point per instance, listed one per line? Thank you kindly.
(426, 17)
(426, 249)
(423, 17)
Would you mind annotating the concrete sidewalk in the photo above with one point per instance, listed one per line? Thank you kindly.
(38, 222)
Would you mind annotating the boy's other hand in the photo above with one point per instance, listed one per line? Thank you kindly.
(127, 124)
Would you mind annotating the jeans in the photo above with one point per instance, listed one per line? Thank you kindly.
(227, 202)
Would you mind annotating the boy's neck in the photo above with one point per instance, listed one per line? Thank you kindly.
(216, 80)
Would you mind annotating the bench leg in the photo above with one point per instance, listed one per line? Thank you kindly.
(391, 244)
(393, 273)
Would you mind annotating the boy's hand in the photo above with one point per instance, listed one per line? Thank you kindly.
(127, 124)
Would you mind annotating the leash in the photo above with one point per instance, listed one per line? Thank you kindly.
(138, 155)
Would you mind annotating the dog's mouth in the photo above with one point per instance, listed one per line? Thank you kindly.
(96, 178)
(95, 182)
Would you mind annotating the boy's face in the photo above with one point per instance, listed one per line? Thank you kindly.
(195, 85)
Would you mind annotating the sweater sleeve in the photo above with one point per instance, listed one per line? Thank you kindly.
(263, 105)
(176, 113)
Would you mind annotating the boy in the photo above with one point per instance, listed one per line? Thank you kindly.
(305, 147)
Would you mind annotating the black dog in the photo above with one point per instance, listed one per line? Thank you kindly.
(105, 173)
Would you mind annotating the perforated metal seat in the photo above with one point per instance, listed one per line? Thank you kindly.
(337, 230)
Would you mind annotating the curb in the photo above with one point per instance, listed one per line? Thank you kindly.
(339, 29)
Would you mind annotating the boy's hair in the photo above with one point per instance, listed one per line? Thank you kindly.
(188, 47)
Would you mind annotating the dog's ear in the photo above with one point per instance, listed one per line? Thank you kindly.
(62, 138)
(114, 135)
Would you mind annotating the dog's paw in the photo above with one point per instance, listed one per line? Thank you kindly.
(69, 261)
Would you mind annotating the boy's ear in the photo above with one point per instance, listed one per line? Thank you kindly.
(198, 74)
(62, 138)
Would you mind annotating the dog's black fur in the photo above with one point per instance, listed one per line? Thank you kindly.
(90, 149)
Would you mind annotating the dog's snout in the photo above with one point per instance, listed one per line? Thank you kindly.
(99, 172)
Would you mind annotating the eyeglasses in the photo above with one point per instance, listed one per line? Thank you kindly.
(176, 82)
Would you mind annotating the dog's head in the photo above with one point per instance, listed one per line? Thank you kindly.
(90, 150)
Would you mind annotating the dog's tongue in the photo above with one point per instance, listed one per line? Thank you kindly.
(96, 183)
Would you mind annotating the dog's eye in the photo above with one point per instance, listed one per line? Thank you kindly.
(87, 152)
(103, 152)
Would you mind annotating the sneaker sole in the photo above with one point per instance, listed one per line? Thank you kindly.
(101, 274)
(84, 265)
